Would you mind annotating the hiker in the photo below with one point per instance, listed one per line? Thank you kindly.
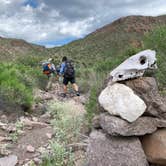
(49, 70)
(68, 73)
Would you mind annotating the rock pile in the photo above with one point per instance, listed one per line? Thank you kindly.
(132, 130)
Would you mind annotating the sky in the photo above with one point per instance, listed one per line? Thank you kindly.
(58, 22)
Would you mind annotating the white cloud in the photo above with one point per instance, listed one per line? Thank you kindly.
(54, 20)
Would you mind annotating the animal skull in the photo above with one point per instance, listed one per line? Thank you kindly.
(135, 66)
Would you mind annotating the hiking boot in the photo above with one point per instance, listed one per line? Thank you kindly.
(63, 94)
(77, 93)
(46, 90)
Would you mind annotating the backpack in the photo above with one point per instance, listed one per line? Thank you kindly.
(69, 71)
(47, 69)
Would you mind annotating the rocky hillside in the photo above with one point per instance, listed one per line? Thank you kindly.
(11, 49)
(112, 39)
(107, 41)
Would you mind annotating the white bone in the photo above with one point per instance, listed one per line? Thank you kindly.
(135, 66)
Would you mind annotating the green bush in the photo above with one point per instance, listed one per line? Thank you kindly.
(30, 60)
(59, 157)
(96, 83)
(16, 84)
(156, 40)
(67, 123)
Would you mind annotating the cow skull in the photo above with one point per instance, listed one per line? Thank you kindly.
(135, 66)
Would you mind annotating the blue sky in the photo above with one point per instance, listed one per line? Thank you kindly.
(57, 22)
(51, 44)
(32, 3)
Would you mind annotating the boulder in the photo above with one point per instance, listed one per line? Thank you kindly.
(119, 99)
(147, 89)
(104, 150)
(154, 146)
(116, 126)
(10, 160)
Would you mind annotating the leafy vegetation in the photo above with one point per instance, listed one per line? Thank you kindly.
(15, 84)
(156, 40)
(14, 135)
(67, 125)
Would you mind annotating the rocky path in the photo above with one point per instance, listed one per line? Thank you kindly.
(26, 138)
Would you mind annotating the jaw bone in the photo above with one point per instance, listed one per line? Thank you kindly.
(135, 66)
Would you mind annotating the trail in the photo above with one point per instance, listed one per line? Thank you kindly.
(27, 137)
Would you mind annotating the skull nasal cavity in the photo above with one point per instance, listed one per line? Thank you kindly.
(142, 60)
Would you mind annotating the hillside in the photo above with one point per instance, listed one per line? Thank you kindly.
(11, 49)
(107, 41)
(111, 39)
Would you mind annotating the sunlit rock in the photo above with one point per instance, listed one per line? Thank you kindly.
(119, 99)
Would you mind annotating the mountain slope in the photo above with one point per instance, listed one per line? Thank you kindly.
(111, 39)
(107, 41)
(11, 49)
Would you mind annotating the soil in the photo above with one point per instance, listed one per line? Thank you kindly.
(34, 135)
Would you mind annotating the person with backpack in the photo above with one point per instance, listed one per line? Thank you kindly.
(68, 73)
(50, 71)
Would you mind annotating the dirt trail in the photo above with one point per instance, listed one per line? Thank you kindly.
(32, 132)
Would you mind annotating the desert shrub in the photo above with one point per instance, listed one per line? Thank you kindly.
(156, 40)
(67, 124)
(30, 60)
(60, 156)
(16, 84)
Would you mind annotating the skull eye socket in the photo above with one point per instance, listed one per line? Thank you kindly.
(120, 76)
(142, 60)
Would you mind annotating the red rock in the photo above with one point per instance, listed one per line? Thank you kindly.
(154, 146)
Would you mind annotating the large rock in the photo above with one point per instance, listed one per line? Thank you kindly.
(147, 89)
(9, 160)
(116, 126)
(119, 99)
(114, 151)
(154, 146)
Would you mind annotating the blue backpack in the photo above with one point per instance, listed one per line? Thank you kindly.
(47, 69)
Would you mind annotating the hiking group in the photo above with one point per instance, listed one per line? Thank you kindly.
(65, 72)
